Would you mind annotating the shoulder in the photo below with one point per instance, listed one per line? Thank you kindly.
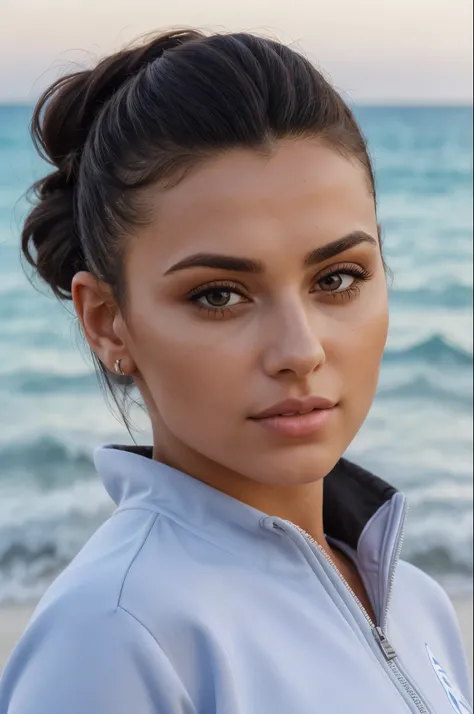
(424, 610)
(82, 606)
(88, 660)
(140, 573)
(83, 651)
(427, 599)
(93, 581)
(139, 562)
(419, 579)
(424, 589)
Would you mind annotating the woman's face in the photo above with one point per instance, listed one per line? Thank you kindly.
(260, 280)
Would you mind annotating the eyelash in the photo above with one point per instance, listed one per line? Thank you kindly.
(361, 275)
(195, 295)
(358, 272)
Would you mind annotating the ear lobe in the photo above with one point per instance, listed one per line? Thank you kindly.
(99, 316)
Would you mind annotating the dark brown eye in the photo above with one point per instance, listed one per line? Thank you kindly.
(331, 283)
(344, 281)
(218, 298)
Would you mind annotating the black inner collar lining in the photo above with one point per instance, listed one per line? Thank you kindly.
(352, 495)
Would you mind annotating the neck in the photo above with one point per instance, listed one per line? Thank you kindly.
(302, 504)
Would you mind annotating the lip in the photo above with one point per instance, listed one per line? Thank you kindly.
(282, 419)
(291, 406)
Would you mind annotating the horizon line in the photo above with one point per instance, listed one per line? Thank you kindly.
(375, 103)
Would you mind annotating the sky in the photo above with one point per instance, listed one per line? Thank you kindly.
(374, 51)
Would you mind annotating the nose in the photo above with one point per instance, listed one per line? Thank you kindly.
(294, 348)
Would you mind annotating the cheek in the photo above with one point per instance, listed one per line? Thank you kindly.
(364, 346)
(192, 371)
(356, 336)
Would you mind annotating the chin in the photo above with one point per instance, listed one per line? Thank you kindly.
(298, 466)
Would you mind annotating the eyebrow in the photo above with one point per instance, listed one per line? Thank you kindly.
(248, 265)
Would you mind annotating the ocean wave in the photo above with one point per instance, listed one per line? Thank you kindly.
(47, 450)
(435, 350)
(45, 462)
(28, 382)
(421, 387)
(440, 560)
(41, 532)
(450, 296)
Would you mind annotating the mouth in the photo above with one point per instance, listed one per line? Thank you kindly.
(296, 407)
(288, 414)
(296, 418)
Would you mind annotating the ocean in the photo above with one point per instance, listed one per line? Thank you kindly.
(418, 435)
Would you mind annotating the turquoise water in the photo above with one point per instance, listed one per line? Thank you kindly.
(418, 435)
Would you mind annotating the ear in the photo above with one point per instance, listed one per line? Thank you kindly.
(101, 321)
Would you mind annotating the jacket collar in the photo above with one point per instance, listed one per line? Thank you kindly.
(352, 495)
(361, 513)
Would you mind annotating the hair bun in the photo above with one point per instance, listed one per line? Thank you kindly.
(61, 123)
(50, 230)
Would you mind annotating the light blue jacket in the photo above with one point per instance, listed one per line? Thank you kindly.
(187, 601)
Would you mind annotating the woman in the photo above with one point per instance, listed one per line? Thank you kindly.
(212, 215)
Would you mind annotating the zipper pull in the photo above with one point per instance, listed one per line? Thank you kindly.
(384, 644)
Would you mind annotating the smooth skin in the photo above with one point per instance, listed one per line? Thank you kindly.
(305, 313)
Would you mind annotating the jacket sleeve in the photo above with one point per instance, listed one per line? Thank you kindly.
(111, 664)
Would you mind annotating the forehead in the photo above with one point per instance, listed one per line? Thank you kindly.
(243, 201)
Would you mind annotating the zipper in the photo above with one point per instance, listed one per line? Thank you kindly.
(393, 564)
(331, 562)
(389, 652)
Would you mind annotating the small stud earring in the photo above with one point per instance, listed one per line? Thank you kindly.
(118, 368)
